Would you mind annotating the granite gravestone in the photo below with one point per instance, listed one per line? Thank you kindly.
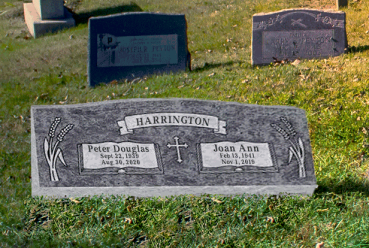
(297, 33)
(162, 147)
(341, 3)
(47, 16)
(131, 45)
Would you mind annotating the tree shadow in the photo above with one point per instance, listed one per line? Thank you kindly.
(208, 66)
(82, 18)
(343, 187)
(354, 49)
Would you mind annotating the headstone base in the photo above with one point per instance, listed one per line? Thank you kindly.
(174, 190)
(38, 27)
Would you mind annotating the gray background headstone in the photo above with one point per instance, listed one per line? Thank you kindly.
(159, 147)
(131, 45)
(297, 33)
(342, 3)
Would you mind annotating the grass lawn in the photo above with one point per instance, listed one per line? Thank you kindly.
(334, 92)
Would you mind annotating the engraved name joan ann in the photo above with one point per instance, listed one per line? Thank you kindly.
(233, 149)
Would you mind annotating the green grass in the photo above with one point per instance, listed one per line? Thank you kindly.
(334, 92)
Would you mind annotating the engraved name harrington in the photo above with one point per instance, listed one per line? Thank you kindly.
(171, 119)
(152, 120)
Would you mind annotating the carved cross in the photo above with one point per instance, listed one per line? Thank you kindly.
(298, 22)
(177, 146)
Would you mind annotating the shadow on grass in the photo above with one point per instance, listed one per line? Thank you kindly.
(208, 66)
(354, 49)
(347, 186)
(82, 18)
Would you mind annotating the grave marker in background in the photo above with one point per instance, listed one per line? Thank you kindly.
(131, 45)
(162, 147)
(342, 3)
(47, 16)
(297, 33)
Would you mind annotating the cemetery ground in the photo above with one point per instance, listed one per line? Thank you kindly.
(334, 92)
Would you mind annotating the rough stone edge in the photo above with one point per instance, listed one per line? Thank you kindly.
(62, 192)
(333, 11)
(91, 104)
(137, 13)
(35, 183)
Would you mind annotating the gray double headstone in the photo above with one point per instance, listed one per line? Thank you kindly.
(47, 16)
(131, 45)
(297, 34)
(162, 147)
